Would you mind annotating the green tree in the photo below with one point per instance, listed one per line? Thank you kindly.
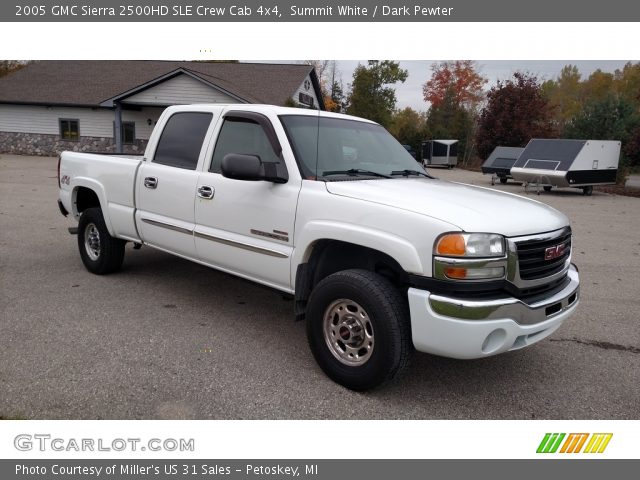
(372, 95)
(450, 120)
(631, 148)
(599, 85)
(627, 83)
(611, 118)
(564, 95)
(409, 127)
(516, 112)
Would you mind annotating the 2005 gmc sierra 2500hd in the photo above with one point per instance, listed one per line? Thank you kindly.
(380, 256)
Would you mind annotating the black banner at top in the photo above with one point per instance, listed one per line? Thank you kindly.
(320, 11)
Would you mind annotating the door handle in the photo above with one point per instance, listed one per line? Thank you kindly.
(206, 192)
(150, 182)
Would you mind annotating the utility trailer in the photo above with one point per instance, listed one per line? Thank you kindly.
(440, 152)
(549, 163)
(499, 163)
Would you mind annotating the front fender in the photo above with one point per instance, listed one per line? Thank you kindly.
(400, 249)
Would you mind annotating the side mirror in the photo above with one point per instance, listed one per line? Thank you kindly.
(241, 167)
(249, 167)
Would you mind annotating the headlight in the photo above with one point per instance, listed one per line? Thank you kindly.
(470, 245)
(470, 256)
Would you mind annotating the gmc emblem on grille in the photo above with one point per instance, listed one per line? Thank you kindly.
(554, 252)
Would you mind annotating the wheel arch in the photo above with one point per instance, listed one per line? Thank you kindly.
(326, 256)
(88, 193)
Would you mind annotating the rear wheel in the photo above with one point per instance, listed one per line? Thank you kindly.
(588, 190)
(358, 329)
(100, 252)
(547, 188)
(503, 180)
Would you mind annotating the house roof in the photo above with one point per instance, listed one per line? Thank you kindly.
(94, 82)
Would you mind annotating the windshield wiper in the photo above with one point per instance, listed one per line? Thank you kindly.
(355, 172)
(406, 173)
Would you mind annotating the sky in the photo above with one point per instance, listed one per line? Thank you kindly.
(409, 93)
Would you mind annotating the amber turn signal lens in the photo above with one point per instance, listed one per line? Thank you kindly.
(452, 244)
(455, 272)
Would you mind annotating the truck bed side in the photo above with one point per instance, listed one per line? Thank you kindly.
(111, 179)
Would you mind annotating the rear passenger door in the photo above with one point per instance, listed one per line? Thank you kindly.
(167, 184)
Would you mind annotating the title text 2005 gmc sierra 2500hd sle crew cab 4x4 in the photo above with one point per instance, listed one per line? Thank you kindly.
(380, 256)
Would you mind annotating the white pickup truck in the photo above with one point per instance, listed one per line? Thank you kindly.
(380, 257)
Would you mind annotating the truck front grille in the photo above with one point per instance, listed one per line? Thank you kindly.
(533, 261)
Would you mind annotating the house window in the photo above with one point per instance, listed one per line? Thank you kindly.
(305, 99)
(70, 129)
(128, 132)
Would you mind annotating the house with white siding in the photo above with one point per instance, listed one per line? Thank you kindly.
(111, 106)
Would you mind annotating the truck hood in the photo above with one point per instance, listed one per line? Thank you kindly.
(470, 208)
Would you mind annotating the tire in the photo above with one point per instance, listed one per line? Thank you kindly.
(547, 188)
(503, 180)
(588, 190)
(373, 342)
(100, 252)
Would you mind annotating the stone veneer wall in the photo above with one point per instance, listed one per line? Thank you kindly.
(51, 145)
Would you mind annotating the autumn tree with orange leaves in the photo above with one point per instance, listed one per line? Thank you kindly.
(459, 79)
(454, 92)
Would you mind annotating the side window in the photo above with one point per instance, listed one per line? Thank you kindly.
(181, 140)
(69, 129)
(128, 132)
(245, 136)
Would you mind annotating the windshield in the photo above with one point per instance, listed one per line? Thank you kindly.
(332, 148)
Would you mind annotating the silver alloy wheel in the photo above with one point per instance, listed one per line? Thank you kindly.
(92, 241)
(348, 332)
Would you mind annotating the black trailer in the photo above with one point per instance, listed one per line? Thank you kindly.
(499, 163)
(568, 163)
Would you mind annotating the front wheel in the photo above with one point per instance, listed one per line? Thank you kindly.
(588, 190)
(358, 329)
(100, 252)
(503, 180)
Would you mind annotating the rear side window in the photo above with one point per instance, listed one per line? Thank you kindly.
(245, 136)
(182, 139)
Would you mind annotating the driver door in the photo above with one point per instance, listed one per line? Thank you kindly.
(246, 227)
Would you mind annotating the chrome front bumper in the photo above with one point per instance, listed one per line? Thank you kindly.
(457, 328)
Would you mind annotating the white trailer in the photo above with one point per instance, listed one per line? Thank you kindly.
(440, 152)
(582, 164)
